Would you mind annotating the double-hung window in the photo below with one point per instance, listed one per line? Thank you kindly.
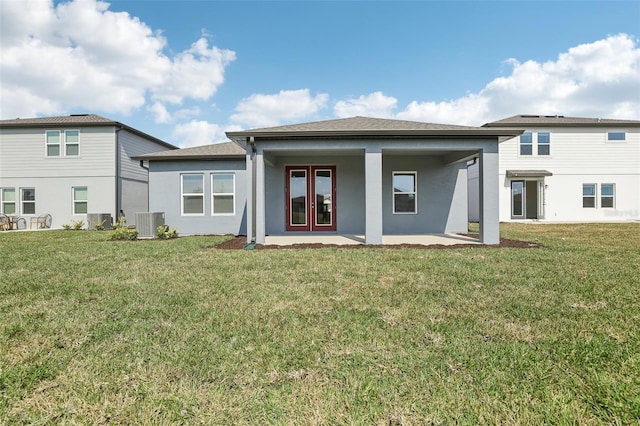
(589, 195)
(28, 199)
(71, 143)
(63, 143)
(405, 192)
(607, 195)
(544, 143)
(8, 200)
(80, 200)
(526, 144)
(53, 143)
(222, 193)
(192, 194)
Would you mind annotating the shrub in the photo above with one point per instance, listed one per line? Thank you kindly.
(164, 233)
(122, 232)
(99, 226)
(75, 225)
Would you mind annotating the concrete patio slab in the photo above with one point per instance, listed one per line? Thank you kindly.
(335, 239)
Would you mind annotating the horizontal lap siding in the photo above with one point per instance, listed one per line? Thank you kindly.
(23, 154)
(579, 156)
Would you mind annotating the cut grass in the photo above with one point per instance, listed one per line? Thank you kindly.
(175, 332)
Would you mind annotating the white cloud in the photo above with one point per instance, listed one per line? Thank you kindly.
(196, 133)
(54, 60)
(160, 113)
(374, 105)
(599, 79)
(271, 110)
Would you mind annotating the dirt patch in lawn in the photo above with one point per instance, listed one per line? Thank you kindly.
(238, 243)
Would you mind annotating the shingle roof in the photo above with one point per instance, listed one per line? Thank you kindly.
(360, 123)
(65, 119)
(524, 120)
(365, 126)
(210, 151)
(88, 120)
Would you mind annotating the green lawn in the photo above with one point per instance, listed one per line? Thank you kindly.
(177, 332)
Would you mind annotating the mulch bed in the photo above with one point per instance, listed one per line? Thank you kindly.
(238, 243)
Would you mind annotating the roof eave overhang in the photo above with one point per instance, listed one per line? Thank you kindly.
(242, 137)
(188, 157)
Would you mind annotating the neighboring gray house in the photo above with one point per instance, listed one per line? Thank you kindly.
(73, 165)
(353, 176)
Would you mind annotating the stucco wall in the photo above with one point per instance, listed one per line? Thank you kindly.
(165, 196)
(350, 200)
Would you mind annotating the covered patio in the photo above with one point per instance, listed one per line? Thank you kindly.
(385, 182)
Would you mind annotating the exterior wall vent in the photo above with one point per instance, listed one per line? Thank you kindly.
(147, 223)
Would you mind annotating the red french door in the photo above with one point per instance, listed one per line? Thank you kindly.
(310, 198)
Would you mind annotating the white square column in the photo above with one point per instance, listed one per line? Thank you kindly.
(259, 198)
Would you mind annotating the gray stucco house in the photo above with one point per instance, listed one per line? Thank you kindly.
(352, 176)
(71, 166)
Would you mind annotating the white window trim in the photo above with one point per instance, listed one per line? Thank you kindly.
(22, 201)
(183, 194)
(595, 195)
(520, 145)
(233, 194)
(66, 143)
(47, 144)
(3, 202)
(537, 144)
(74, 201)
(62, 143)
(615, 141)
(415, 191)
(613, 197)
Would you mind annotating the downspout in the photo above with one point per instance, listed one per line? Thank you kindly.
(148, 186)
(118, 211)
(250, 246)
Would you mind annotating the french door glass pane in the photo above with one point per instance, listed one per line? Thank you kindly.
(323, 197)
(298, 197)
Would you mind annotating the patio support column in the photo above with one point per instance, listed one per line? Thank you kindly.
(489, 204)
(250, 198)
(373, 196)
(259, 191)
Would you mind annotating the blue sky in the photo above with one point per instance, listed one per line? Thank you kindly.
(186, 71)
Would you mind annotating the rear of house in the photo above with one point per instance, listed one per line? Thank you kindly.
(568, 169)
(71, 166)
(356, 176)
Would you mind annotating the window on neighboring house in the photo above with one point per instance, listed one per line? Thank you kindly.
(193, 194)
(80, 200)
(53, 143)
(544, 143)
(8, 200)
(404, 192)
(526, 144)
(28, 199)
(222, 193)
(72, 142)
(607, 195)
(589, 195)
(616, 136)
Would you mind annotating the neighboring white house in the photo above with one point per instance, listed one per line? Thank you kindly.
(73, 165)
(565, 169)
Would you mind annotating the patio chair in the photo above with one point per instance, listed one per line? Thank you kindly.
(5, 224)
(42, 221)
